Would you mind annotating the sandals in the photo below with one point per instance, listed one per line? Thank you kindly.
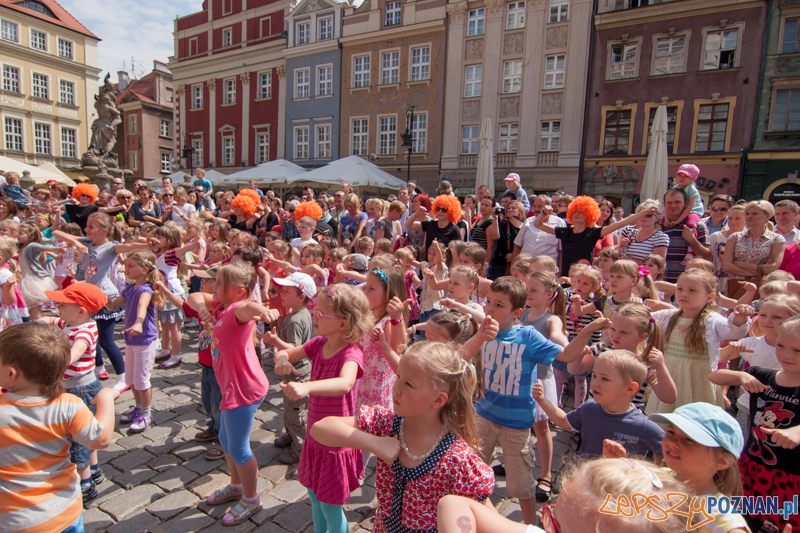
(224, 495)
(542, 495)
(242, 511)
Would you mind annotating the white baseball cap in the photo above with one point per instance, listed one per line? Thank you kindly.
(304, 282)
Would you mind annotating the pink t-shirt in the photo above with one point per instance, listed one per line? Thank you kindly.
(236, 364)
(791, 260)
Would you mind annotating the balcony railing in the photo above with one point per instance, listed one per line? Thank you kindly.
(506, 160)
(468, 161)
(547, 159)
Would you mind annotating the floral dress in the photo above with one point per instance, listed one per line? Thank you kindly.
(755, 252)
(375, 387)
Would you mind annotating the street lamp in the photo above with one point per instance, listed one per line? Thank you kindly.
(408, 138)
(188, 154)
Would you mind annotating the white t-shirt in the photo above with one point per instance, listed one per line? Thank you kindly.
(184, 210)
(536, 242)
(763, 355)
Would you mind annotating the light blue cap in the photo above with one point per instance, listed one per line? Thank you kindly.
(706, 424)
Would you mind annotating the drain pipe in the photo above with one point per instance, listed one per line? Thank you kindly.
(582, 157)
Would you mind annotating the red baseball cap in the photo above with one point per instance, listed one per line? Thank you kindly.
(88, 296)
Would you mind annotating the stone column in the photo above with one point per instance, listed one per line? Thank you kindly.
(212, 121)
(575, 82)
(245, 79)
(532, 83)
(492, 66)
(453, 87)
(281, 70)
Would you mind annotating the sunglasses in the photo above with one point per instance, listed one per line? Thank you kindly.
(549, 518)
(319, 314)
(651, 215)
(441, 210)
(167, 195)
(720, 209)
(117, 183)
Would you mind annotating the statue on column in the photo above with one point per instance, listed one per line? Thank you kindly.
(104, 132)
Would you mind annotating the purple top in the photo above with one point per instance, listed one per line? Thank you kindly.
(321, 406)
(149, 333)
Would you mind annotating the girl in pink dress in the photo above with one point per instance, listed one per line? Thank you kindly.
(241, 380)
(341, 317)
(412, 281)
(425, 443)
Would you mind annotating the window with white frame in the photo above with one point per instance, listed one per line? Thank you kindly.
(65, 49)
(193, 46)
(388, 135)
(10, 31)
(41, 86)
(262, 147)
(228, 151)
(166, 162)
(512, 76)
(69, 143)
(476, 21)
(623, 61)
(359, 140)
(265, 85)
(227, 37)
(554, 71)
(66, 92)
(559, 10)
(515, 17)
(420, 63)
(720, 49)
(786, 112)
(13, 134)
(324, 80)
(393, 13)
(789, 45)
(323, 135)
(670, 52)
(509, 134)
(197, 96)
(166, 128)
(38, 40)
(302, 83)
(230, 91)
(550, 136)
(712, 127)
(134, 160)
(472, 81)
(197, 155)
(420, 134)
(227, 7)
(390, 67)
(325, 29)
(361, 71)
(301, 142)
(133, 124)
(469, 140)
(41, 138)
(11, 79)
(303, 32)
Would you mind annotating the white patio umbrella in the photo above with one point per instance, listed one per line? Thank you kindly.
(39, 175)
(270, 173)
(50, 167)
(654, 180)
(353, 170)
(485, 174)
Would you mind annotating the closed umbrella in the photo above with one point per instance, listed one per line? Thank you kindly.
(654, 181)
(485, 175)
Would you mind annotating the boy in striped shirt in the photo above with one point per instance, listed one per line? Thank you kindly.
(77, 303)
(39, 490)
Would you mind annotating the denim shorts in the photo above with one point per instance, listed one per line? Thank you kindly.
(76, 526)
(78, 453)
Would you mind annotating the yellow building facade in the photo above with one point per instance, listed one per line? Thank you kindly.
(49, 79)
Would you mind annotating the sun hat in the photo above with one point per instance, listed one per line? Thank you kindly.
(706, 424)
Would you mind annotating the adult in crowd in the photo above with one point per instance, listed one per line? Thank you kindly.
(445, 188)
(117, 184)
(754, 252)
(204, 200)
(181, 209)
(223, 203)
(786, 220)
(734, 223)
(514, 185)
(478, 233)
(447, 210)
(619, 214)
(682, 240)
(470, 208)
(352, 223)
(606, 210)
(416, 238)
(390, 227)
(563, 205)
(404, 197)
(376, 211)
(646, 237)
(59, 191)
(501, 236)
(308, 193)
(339, 209)
(125, 200)
(8, 209)
(288, 229)
(145, 209)
(253, 186)
(482, 192)
(85, 194)
(327, 222)
(201, 181)
(533, 241)
(718, 207)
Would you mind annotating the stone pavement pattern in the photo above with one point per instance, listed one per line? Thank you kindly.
(158, 480)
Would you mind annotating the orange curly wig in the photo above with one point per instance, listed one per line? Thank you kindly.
(245, 203)
(308, 209)
(250, 193)
(586, 205)
(86, 189)
(450, 203)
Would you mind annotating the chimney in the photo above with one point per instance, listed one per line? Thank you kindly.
(124, 79)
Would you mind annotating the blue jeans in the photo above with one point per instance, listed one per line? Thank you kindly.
(424, 317)
(234, 431)
(105, 340)
(78, 453)
(211, 396)
(76, 527)
(496, 270)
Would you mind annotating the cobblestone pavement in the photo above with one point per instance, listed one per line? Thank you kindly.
(157, 481)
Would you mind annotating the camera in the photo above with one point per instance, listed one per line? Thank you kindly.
(499, 210)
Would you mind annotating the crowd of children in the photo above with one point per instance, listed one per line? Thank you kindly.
(427, 365)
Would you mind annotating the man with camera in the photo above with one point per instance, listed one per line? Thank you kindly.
(531, 240)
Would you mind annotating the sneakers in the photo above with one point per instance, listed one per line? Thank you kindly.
(141, 423)
(97, 476)
(163, 356)
(284, 441)
(191, 323)
(88, 492)
(129, 415)
(289, 457)
(170, 363)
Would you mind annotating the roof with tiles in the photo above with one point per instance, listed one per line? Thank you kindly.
(143, 89)
(62, 17)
